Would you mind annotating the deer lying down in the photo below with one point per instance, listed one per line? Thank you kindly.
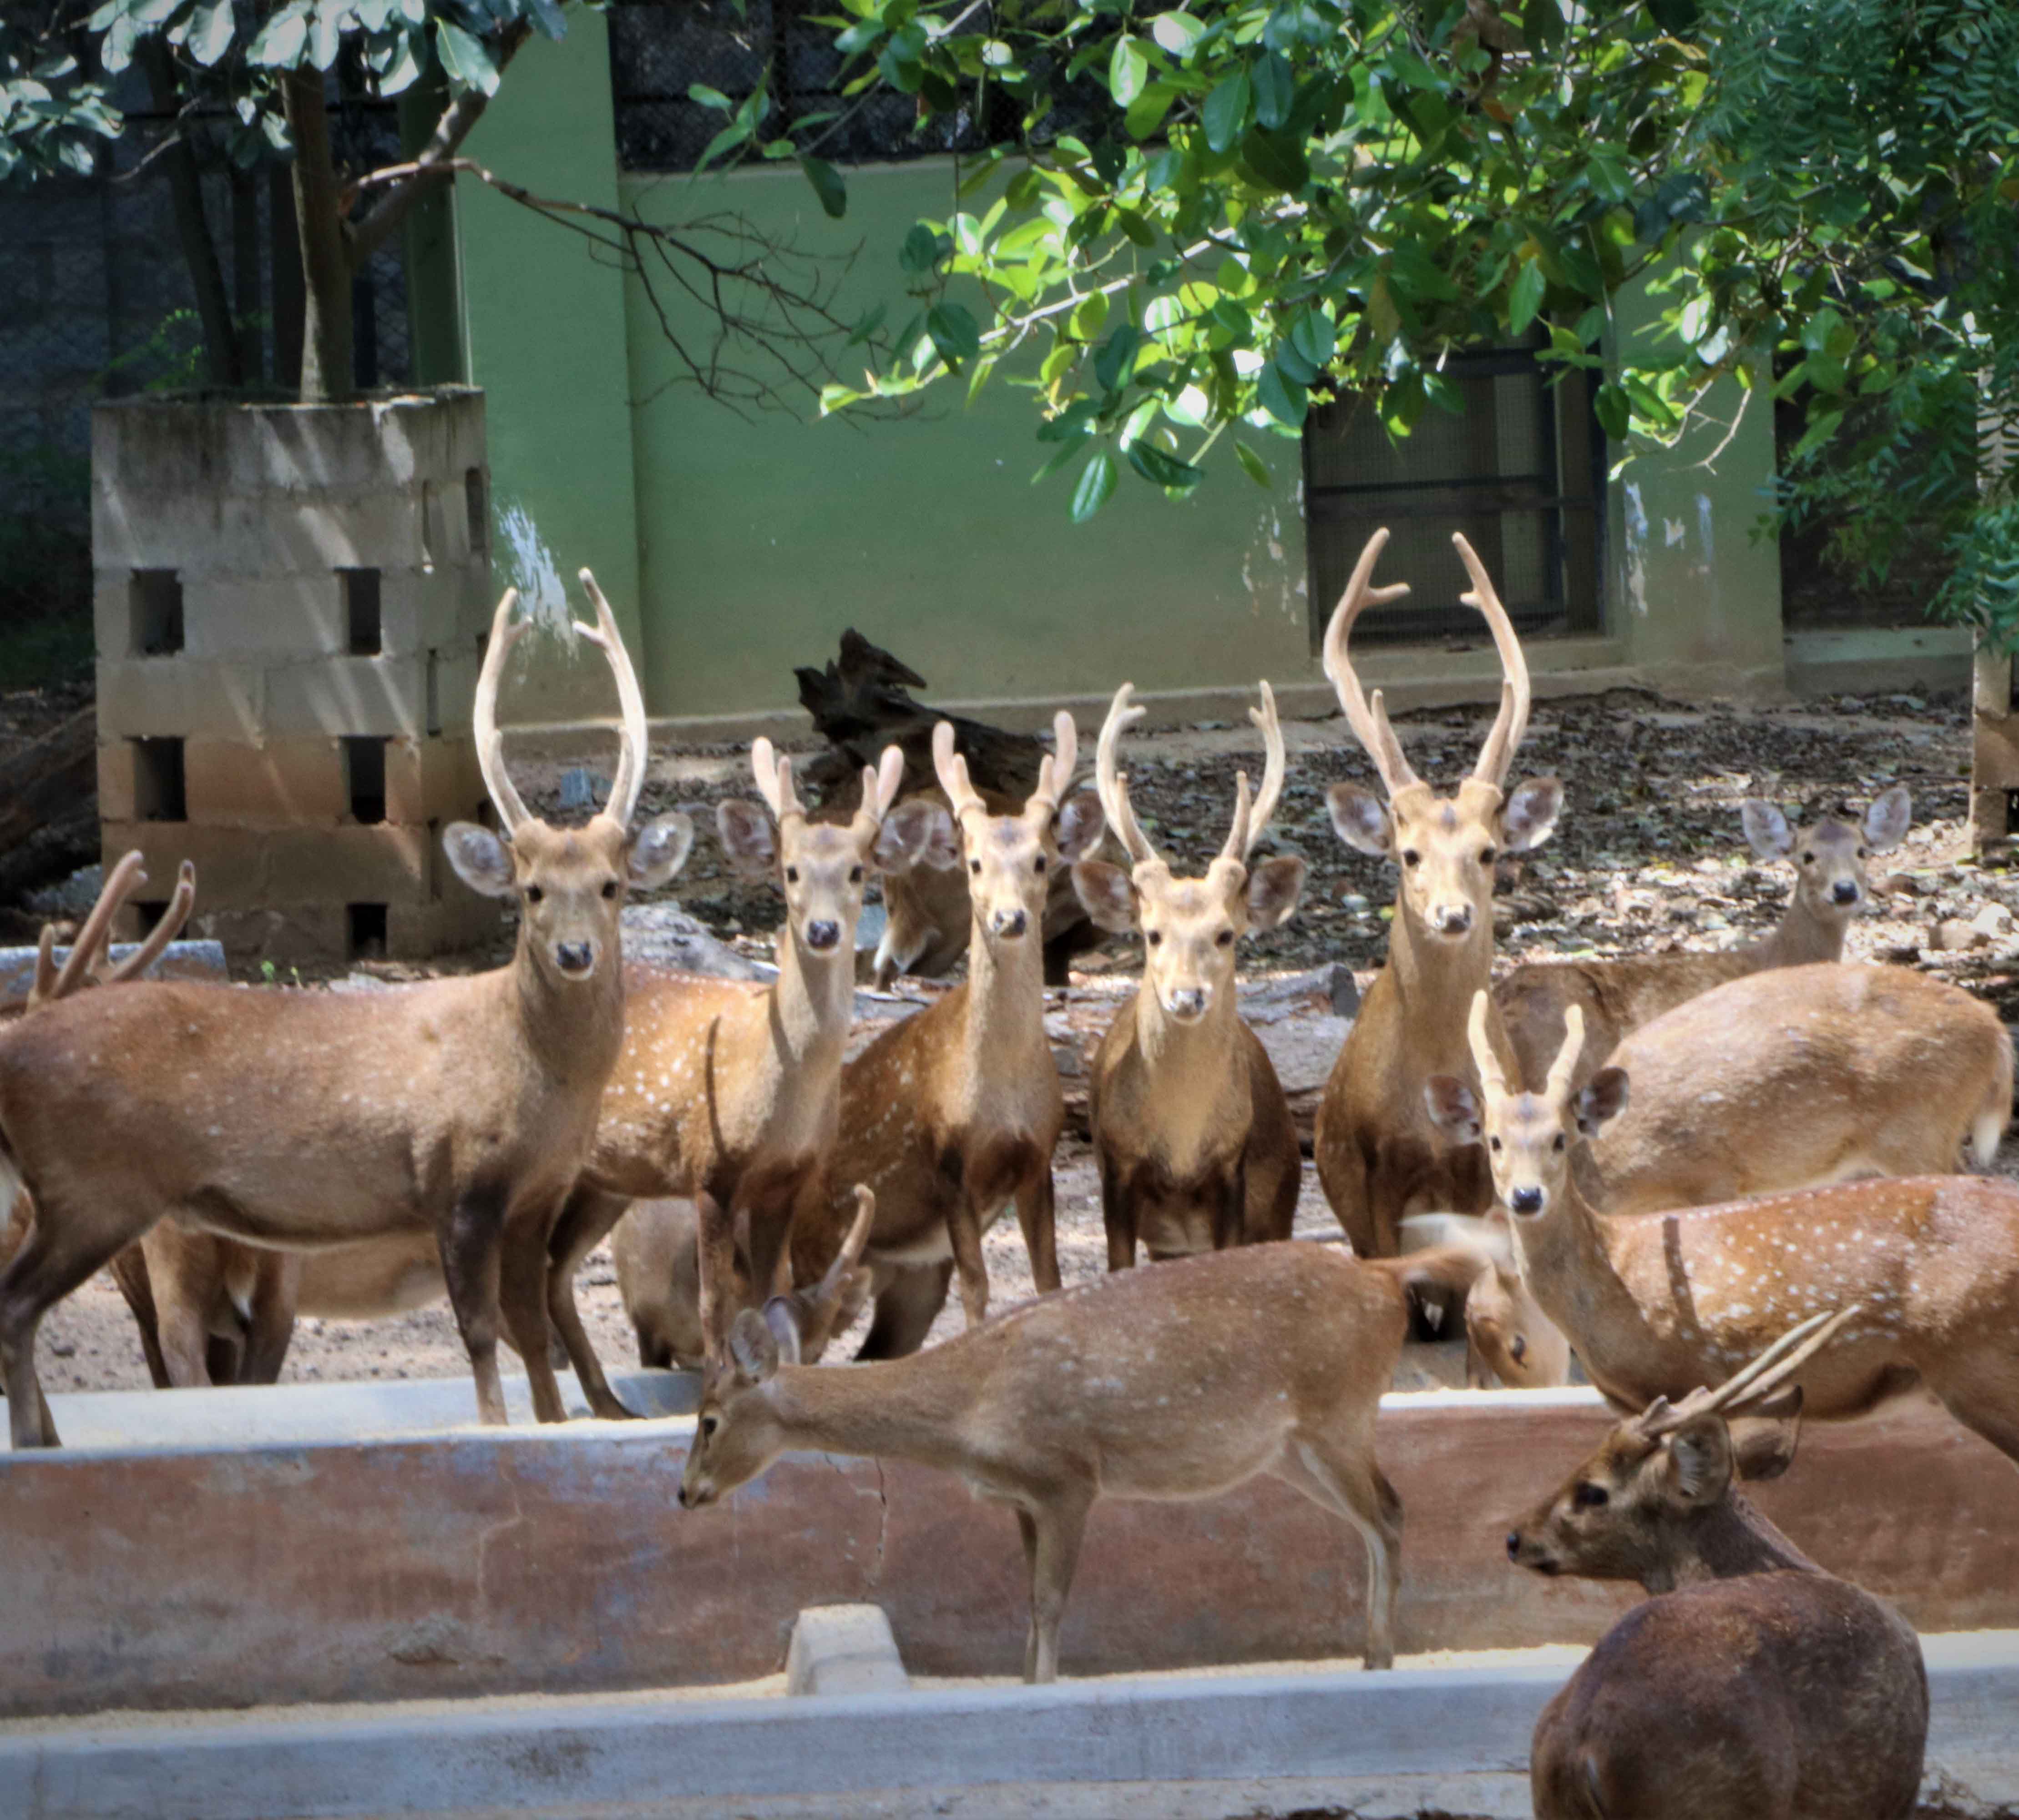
(1656, 1304)
(1180, 1382)
(1753, 1684)
(1619, 996)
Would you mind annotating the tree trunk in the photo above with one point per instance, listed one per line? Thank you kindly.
(328, 371)
(222, 356)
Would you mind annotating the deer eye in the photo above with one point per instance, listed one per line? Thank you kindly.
(974, 866)
(1037, 864)
(1488, 855)
(1493, 1143)
(1152, 936)
(1225, 938)
(534, 893)
(792, 874)
(708, 1425)
(855, 875)
(1861, 853)
(1588, 1496)
(609, 889)
(1560, 1140)
(1808, 859)
(1410, 856)
(1519, 1348)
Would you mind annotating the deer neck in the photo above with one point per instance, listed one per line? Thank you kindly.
(813, 999)
(1185, 1049)
(908, 1409)
(1005, 1005)
(1800, 937)
(573, 1029)
(1731, 1538)
(1567, 1260)
(1435, 980)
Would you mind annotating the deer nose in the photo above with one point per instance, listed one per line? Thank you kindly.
(1844, 891)
(1513, 1544)
(1190, 1003)
(1009, 923)
(1525, 1201)
(1453, 918)
(574, 957)
(821, 937)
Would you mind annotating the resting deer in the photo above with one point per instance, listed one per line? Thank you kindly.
(1754, 1682)
(296, 1119)
(1379, 1155)
(1197, 1147)
(731, 1088)
(953, 1113)
(1619, 996)
(1178, 1383)
(1658, 1303)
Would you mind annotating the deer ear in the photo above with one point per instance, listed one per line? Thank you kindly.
(1700, 1462)
(482, 860)
(784, 1328)
(753, 1348)
(1106, 895)
(1602, 1100)
(903, 835)
(1528, 816)
(1887, 820)
(1359, 818)
(658, 850)
(747, 835)
(1763, 1443)
(1453, 1107)
(1767, 830)
(1080, 825)
(1274, 888)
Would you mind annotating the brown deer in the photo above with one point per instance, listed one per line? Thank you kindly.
(1181, 1381)
(1197, 1147)
(1621, 996)
(1378, 1156)
(732, 1088)
(953, 1113)
(295, 1119)
(1753, 1683)
(1658, 1303)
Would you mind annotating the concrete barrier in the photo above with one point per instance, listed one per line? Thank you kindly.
(171, 1556)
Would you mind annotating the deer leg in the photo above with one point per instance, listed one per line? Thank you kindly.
(57, 1255)
(1117, 1214)
(129, 1271)
(1230, 1214)
(1053, 1554)
(906, 1309)
(523, 1299)
(964, 1230)
(269, 1328)
(586, 1219)
(1037, 1213)
(1985, 1401)
(1339, 1474)
(185, 1343)
(470, 1246)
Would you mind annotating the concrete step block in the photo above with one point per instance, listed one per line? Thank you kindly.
(281, 784)
(425, 610)
(387, 696)
(176, 697)
(201, 535)
(433, 780)
(118, 779)
(264, 619)
(462, 920)
(844, 1649)
(239, 869)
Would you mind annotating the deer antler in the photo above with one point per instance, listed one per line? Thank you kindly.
(1511, 722)
(775, 781)
(880, 785)
(1558, 1089)
(1055, 771)
(49, 984)
(633, 737)
(1491, 1075)
(1369, 723)
(1240, 840)
(1756, 1381)
(511, 810)
(1112, 786)
(951, 768)
(161, 934)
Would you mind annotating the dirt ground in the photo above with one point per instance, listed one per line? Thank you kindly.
(1647, 855)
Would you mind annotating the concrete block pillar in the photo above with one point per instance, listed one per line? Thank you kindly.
(290, 603)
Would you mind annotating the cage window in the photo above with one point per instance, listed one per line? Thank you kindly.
(364, 931)
(154, 602)
(158, 792)
(363, 625)
(364, 777)
(479, 510)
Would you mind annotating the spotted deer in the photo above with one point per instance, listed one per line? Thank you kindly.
(731, 1088)
(1656, 1304)
(952, 1114)
(1619, 996)
(1753, 1682)
(296, 1119)
(1192, 1130)
(1378, 1156)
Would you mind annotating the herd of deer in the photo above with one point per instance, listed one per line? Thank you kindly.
(1667, 1165)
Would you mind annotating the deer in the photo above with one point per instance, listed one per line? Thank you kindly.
(1619, 996)
(952, 1114)
(1753, 1681)
(1178, 1383)
(297, 1119)
(1378, 1157)
(734, 1087)
(1191, 1128)
(1658, 1303)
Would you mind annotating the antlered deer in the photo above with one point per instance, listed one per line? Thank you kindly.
(1197, 1147)
(1181, 1381)
(731, 1088)
(1619, 996)
(1378, 1156)
(953, 1113)
(297, 1119)
(1754, 1682)
(1658, 1303)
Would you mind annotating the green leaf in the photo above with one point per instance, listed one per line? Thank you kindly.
(828, 184)
(1312, 337)
(326, 34)
(1284, 399)
(1277, 158)
(467, 62)
(1253, 466)
(1096, 485)
(1117, 358)
(708, 97)
(920, 252)
(1275, 89)
(1128, 70)
(1164, 469)
(1226, 111)
(211, 28)
(548, 18)
(955, 332)
(1612, 411)
(1525, 299)
(279, 45)
(1146, 113)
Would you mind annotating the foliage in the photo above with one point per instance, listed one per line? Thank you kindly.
(50, 116)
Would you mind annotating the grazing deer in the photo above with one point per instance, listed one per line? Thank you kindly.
(298, 1119)
(1197, 1147)
(1621, 996)
(953, 1113)
(1754, 1682)
(1181, 1381)
(730, 1088)
(1379, 1155)
(1657, 1303)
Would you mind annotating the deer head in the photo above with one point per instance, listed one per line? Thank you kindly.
(569, 883)
(1527, 1136)
(1190, 926)
(822, 867)
(1829, 856)
(1446, 845)
(1010, 858)
(1637, 1509)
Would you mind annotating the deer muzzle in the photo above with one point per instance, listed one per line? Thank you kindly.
(1450, 919)
(577, 959)
(1008, 925)
(1189, 1004)
(821, 936)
